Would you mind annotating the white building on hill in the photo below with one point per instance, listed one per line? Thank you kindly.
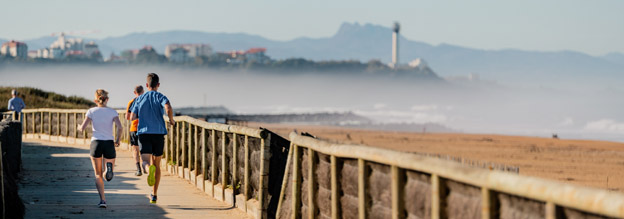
(175, 53)
(64, 47)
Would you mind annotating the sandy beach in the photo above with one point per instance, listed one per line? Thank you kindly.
(583, 162)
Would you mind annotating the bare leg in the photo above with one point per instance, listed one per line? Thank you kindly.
(156, 162)
(99, 181)
(135, 153)
(146, 160)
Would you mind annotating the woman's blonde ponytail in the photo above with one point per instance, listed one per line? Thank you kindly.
(101, 96)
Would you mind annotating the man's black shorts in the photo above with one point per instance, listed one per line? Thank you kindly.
(152, 144)
(134, 139)
(104, 148)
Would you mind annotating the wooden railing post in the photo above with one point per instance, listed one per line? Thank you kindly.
(334, 187)
(437, 191)
(41, 123)
(213, 175)
(203, 159)
(172, 141)
(234, 166)
(189, 149)
(76, 128)
(551, 210)
(180, 148)
(50, 123)
(34, 123)
(196, 160)
(488, 204)
(263, 183)
(397, 192)
(311, 184)
(67, 125)
(25, 123)
(296, 183)
(58, 123)
(362, 174)
(246, 177)
(223, 166)
(183, 147)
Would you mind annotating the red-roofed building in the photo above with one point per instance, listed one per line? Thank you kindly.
(257, 55)
(14, 49)
(255, 50)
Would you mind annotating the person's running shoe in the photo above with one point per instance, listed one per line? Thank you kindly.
(138, 172)
(109, 171)
(102, 204)
(151, 177)
(153, 199)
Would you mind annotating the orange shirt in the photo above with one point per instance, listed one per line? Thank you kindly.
(135, 123)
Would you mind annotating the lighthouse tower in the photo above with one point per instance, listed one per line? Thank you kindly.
(395, 45)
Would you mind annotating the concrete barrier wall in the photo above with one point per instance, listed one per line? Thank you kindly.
(238, 165)
(331, 180)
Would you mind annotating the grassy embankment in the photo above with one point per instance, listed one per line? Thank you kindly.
(37, 98)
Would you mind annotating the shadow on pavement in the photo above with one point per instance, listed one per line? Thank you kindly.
(58, 182)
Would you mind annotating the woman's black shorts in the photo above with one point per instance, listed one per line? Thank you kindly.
(104, 148)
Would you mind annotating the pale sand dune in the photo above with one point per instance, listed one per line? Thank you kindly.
(590, 163)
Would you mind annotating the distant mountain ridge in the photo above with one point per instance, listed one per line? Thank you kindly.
(365, 42)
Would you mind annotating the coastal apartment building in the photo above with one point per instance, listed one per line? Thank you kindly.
(184, 52)
(64, 47)
(14, 49)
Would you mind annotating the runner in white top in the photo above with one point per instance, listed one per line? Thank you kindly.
(102, 143)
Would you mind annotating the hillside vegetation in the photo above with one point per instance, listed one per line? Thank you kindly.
(37, 98)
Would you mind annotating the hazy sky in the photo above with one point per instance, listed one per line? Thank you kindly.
(595, 27)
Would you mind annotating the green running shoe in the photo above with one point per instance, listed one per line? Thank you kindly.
(151, 177)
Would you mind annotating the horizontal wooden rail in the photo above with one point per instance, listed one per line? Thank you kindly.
(552, 194)
(58, 110)
(241, 130)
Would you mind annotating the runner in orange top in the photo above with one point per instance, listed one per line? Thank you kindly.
(134, 138)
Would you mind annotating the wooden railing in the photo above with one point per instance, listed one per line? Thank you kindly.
(230, 163)
(330, 180)
(7, 115)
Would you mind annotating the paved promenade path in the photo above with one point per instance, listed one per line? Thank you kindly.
(58, 182)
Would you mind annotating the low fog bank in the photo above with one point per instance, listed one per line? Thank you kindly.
(590, 111)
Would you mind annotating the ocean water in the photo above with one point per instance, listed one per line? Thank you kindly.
(591, 111)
